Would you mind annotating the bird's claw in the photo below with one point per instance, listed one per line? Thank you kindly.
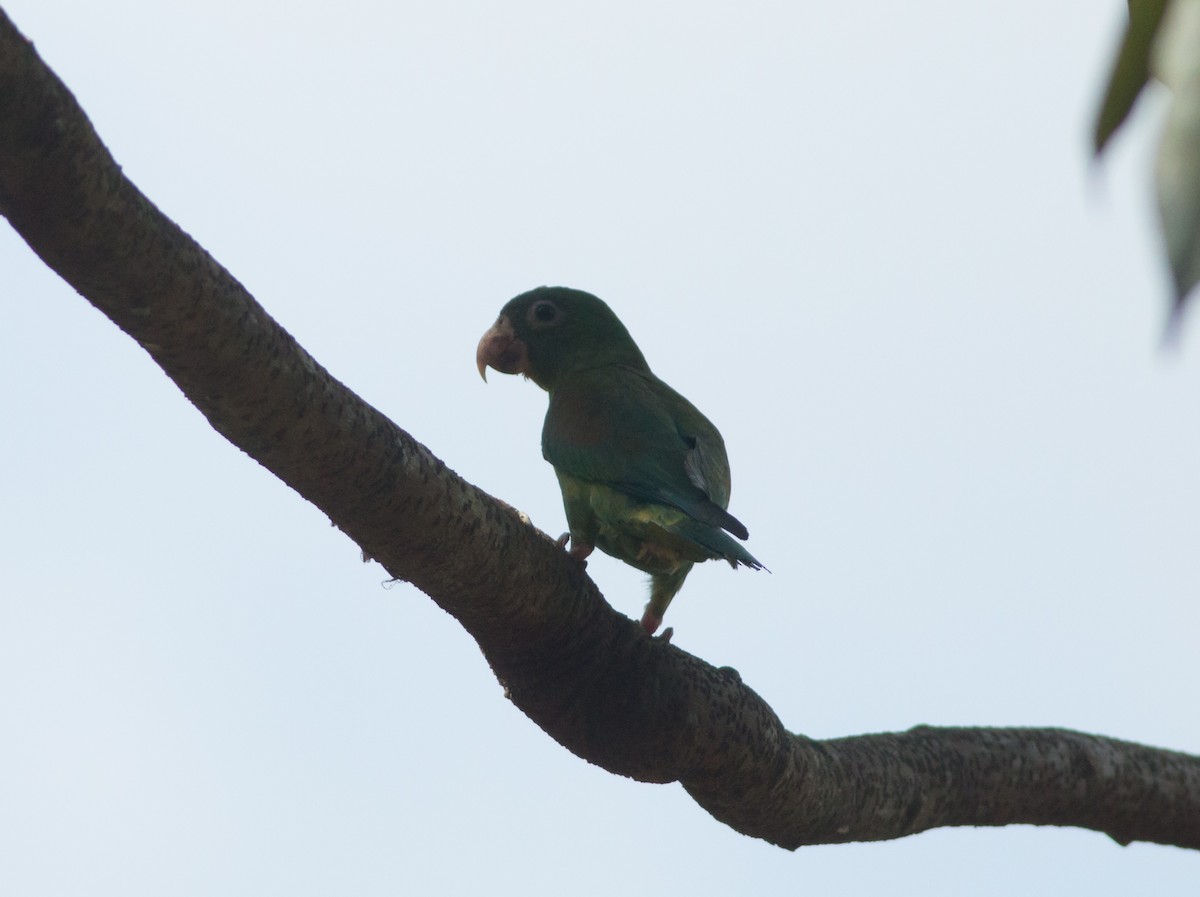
(578, 550)
(651, 621)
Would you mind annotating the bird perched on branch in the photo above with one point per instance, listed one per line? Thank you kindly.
(644, 475)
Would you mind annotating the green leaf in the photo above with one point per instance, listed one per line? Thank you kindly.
(1131, 69)
(1176, 63)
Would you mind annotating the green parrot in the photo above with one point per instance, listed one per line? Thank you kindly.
(644, 475)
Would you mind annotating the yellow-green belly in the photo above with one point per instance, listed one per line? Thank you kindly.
(636, 532)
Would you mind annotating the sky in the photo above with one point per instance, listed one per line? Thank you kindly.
(867, 240)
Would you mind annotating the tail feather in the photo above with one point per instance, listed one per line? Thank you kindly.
(719, 543)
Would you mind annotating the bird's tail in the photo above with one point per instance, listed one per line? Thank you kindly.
(721, 545)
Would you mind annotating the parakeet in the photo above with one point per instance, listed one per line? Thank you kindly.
(644, 475)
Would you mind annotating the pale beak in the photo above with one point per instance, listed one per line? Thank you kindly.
(500, 349)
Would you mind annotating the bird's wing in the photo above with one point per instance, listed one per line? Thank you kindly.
(630, 431)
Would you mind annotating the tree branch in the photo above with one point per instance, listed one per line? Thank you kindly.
(587, 675)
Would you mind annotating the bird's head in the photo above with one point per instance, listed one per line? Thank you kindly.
(553, 330)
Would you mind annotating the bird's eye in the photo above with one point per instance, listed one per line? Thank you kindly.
(544, 313)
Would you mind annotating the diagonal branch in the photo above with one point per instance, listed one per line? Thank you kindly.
(587, 675)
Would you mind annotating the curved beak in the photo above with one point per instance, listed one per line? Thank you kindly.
(500, 349)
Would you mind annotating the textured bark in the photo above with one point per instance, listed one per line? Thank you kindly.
(587, 675)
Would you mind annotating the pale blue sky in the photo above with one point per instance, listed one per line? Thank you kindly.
(865, 239)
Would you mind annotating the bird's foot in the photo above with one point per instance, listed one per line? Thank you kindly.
(578, 550)
(651, 621)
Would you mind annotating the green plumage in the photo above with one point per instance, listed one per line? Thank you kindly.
(644, 474)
